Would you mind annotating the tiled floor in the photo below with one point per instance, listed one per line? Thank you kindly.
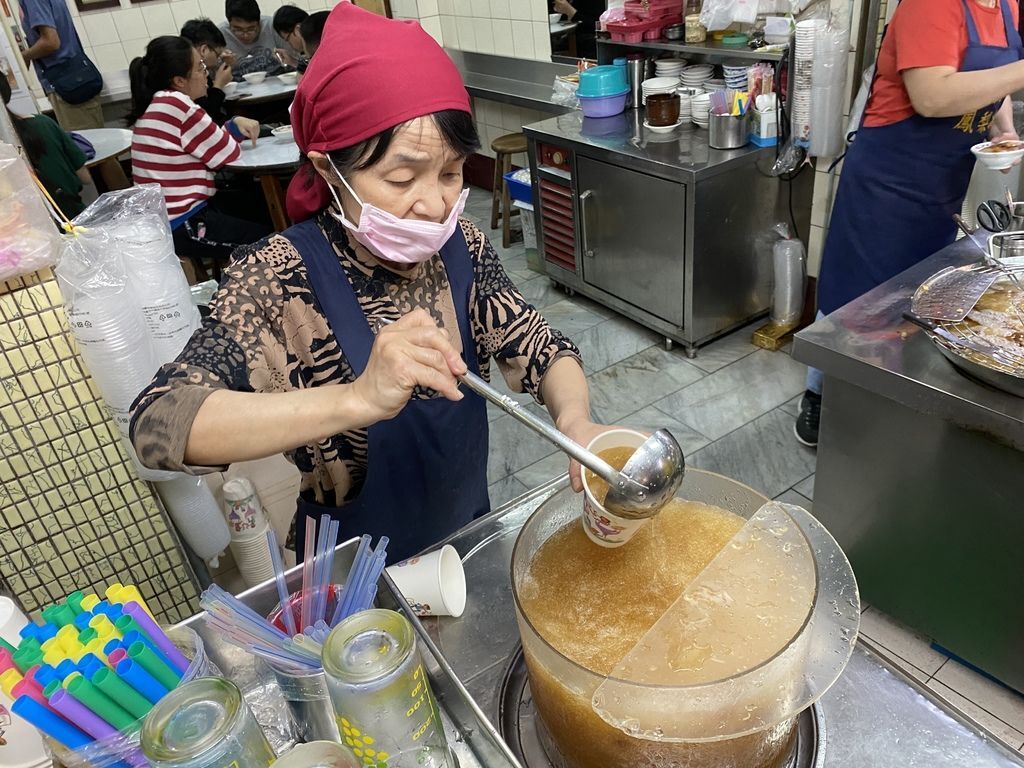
(732, 409)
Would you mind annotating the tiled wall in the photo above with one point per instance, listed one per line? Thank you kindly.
(494, 119)
(517, 28)
(113, 37)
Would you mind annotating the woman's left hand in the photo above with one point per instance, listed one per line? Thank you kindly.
(582, 431)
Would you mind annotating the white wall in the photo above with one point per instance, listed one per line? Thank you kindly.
(113, 37)
(516, 28)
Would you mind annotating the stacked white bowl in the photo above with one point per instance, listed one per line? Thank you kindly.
(658, 85)
(803, 68)
(700, 106)
(736, 75)
(669, 67)
(686, 94)
(697, 75)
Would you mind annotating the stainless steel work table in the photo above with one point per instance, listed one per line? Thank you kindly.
(919, 475)
(659, 226)
(873, 717)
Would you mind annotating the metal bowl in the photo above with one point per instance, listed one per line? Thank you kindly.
(675, 32)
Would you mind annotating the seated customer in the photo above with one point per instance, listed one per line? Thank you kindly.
(178, 146)
(311, 29)
(287, 19)
(57, 160)
(251, 37)
(209, 41)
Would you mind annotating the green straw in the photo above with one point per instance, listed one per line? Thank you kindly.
(87, 635)
(126, 624)
(118, 690)
(51, 688)
(74, 601)
(149, 661)
(61, 615)
(7, 646)
(95, 700)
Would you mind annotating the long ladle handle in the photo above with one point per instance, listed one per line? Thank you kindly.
(594, 463)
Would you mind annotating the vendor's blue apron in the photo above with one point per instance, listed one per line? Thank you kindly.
(427, 467)
(902, 183)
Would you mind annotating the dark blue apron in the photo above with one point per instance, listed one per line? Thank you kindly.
(901, 185)
(427, 467)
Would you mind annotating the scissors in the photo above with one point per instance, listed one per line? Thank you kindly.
(994, 216)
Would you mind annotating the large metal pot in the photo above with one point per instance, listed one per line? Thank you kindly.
(744, 721)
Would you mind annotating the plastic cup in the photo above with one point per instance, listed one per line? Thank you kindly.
(433, 584)
(11, 621)
(603, 527)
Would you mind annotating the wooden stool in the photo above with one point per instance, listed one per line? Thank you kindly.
(504, 147)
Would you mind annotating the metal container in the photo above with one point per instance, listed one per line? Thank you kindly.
(205, 724)
(637, 70)
(309, 703)
(728, 131)
(382, 698)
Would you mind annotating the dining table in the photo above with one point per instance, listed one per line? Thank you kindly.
(110, 144)
(268, 160)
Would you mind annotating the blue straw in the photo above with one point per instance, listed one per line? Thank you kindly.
(45, 675)
(328, 571)
(282, 584)
(82, 620)
(112, 646)
(88, 665)
(65, 668)
(346, 589)
(52, 725)
(141, 680)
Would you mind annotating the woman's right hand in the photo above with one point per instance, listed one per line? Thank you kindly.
(408, 353)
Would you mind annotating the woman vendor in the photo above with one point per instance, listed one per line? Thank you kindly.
(338, 342)
(944, 71)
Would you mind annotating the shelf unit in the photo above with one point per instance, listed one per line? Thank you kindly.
(710, 50)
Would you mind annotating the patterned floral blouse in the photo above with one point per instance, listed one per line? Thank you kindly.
(268, 333)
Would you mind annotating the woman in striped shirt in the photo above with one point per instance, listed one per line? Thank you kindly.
(177, 145)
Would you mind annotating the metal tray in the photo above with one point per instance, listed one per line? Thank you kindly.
(475, 742)
(944, 287)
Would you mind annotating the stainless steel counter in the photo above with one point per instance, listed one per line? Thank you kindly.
(660, 227)
(867, 343)
(520, 82)
(919, 474)
(682, 155)
(873, 717)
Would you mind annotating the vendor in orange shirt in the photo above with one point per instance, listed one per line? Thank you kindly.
(944, 73)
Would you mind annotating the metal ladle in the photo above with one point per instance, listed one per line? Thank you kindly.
(649, 480)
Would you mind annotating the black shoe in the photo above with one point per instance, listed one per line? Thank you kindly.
(806, 427)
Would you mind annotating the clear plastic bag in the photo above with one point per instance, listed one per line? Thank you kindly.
(122, 750)
(118, 275)
(564, 93)
(29, 240)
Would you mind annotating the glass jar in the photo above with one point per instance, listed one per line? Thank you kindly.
(205, 724)
(695, 31)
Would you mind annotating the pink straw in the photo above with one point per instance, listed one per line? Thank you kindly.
(115, 657)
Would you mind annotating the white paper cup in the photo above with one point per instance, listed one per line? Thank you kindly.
(11, 621)
(23, 746)
(433, 584)
(603, 527)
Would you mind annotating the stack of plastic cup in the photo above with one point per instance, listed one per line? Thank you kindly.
(248, 526)
(192, 507)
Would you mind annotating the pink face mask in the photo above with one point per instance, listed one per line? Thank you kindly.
(400, 241)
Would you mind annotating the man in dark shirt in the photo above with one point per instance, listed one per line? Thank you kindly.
(209, 41)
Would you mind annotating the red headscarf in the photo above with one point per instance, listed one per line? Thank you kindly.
(369, 74)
